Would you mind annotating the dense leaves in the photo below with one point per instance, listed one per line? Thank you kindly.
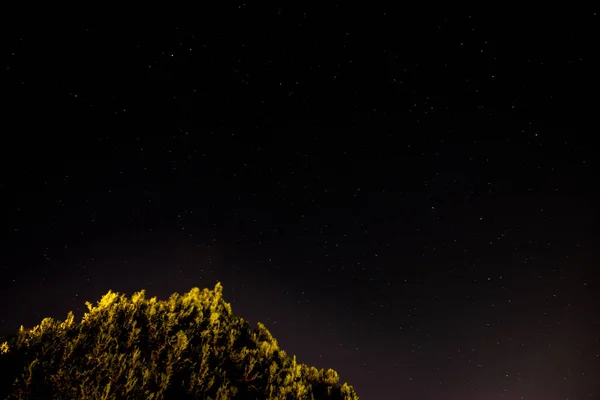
(190, 346)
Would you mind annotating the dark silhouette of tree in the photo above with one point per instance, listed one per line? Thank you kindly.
(189, 347)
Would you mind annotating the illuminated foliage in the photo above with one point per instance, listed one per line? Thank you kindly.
(190, 346)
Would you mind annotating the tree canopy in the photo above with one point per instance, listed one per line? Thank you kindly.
(189, 346)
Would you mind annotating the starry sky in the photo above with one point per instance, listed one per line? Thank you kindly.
(408, 199)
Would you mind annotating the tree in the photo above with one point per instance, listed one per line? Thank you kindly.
(190, 346)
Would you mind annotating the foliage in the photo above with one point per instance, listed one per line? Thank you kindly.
(190, 346)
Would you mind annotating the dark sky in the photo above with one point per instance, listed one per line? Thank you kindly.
(411, 200)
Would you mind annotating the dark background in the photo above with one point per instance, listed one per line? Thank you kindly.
(408, 199)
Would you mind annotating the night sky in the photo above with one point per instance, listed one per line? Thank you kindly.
(411, 200)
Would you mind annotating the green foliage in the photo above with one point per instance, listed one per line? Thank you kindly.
(190, 346)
